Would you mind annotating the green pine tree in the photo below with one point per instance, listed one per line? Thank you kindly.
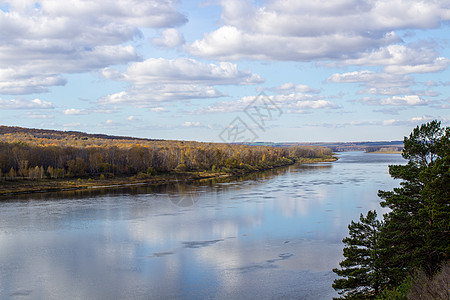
(360, 267)
(415, 234)
(416, 231)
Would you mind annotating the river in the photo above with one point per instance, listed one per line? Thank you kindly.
(271, 235)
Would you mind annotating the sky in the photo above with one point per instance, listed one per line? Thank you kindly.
(226, 71)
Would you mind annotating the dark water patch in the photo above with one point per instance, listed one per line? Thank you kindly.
(161, 254)
(21, 293)
(169, 214)
(282, 256)
(256, 267)
(200, 244)
(268, 264)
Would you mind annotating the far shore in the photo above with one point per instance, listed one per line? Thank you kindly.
(26, 186)
(386, 152)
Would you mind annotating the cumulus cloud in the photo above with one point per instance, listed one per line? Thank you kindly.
(191, 124)
(289, 103)
(232, 43)
(43, 39)
(170, 38)
(305, 30)
(289, 87)
(19, 81)
(159, 79)
(372, 79)
(146, 96)
(414, 121)
(400, 59)
(34, 115)
(78, 112)
(409, 100)
(184, 71)
(75, 111)
(377, 83)
(158, 109)
(25, 104)
(381, 83)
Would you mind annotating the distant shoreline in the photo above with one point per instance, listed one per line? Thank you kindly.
(28, 186)
(386, 152)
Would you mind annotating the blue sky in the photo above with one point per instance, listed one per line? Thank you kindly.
(342, 70)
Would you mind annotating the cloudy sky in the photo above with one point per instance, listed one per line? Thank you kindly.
(275, 70)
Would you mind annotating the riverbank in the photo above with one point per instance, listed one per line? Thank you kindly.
(25, 186)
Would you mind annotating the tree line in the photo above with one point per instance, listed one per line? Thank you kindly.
(406, 254)
(57, 154)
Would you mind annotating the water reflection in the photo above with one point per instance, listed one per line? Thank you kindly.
(269, 235)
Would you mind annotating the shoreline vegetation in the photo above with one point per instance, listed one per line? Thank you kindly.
(385, 149)
(20, 186)
(37, 160)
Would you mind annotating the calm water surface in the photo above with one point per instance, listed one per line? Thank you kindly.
(271, 235)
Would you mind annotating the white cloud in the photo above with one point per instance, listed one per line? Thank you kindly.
(158, 109)
(381, 83)
(400, 59)
(436, 65)
(25, 104)
(298, 103)
(78, 112)
(231, 43)
(170, 38)
(372, 79)
(21, 80)
(397, 90)
(289, 87)
(305, 30)
(183, 70)
(414, 121)
(191, 124)
(377, 83)
(41, 42)
(75, 111)
(409, 100)
(34, 115)
(146, 96)
(290, 103)
(159, 79)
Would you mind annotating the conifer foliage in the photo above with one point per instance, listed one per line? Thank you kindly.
(415, 234)
(360, 267)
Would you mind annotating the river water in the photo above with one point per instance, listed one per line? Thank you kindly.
(272, 235)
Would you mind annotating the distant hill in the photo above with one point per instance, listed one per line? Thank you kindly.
(58, 135)
(77, 135)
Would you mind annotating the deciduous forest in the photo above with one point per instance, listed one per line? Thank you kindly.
(47, 154)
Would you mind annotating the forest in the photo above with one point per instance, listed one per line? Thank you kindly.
(405, 255)
(34, 154)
